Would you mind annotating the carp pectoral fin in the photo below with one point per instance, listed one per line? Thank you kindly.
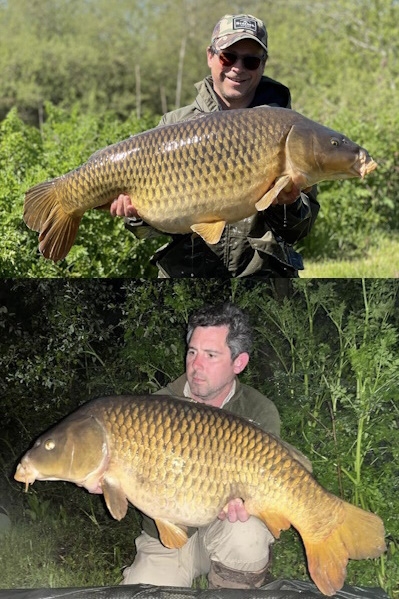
(171, 535)
(274, 522)
(115, 499)
(271, 195)
(210, 232)
(44, 213)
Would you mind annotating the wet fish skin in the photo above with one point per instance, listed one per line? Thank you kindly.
(196, 175)
(180, 462)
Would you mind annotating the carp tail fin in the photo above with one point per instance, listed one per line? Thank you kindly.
(44, 213)
(359, 535)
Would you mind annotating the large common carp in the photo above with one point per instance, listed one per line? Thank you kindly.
(180, 462)
(196, 175)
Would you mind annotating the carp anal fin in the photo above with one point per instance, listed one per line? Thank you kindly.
(43, 212)
(210, 232)
(171, 535)
(275, 522)
(271, 195)
(115, 499)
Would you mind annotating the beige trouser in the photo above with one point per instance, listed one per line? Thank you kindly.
(242, 546)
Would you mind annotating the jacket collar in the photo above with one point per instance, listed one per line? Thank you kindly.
(177, 387)
(269, 92)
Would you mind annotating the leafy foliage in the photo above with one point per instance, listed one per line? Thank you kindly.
(68, 51)
(103, 247)
(326, 352)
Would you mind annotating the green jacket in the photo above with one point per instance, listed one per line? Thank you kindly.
(258, 246)
(246, 402)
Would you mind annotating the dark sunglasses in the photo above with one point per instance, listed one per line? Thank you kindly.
(228, 59)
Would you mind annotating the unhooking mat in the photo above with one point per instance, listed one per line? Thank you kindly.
(278, 589)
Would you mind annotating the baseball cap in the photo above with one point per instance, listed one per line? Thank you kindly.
(232, 28)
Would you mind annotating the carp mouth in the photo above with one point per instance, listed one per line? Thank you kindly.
(25, 474)
(364, 164)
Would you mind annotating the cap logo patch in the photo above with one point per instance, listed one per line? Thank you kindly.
(242, 23)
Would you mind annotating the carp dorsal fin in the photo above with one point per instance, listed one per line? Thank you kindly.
(115, 499)
(298, 455)
(210, 232)
(271, 195)
(274, 522)
(171, 535)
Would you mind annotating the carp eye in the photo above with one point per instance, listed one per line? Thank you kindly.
(334, 141)
(49, 444)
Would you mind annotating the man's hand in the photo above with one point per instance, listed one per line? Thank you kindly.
(122, 206)
(234, 510)
(289, 196)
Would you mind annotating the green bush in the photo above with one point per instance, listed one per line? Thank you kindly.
(103, 247)
(355, 213)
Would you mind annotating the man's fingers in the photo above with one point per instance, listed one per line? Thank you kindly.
(122, 206)
(241, 512)
(234, 510)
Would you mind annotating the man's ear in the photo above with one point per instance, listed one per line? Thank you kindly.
(240, 362)
(209, 56)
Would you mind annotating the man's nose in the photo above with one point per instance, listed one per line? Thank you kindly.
(197, 361)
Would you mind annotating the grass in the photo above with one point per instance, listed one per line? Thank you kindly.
(381, 261)
(56, 545)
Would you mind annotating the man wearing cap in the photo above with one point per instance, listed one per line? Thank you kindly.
(260, 245)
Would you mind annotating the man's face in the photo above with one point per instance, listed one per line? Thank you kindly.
(236, 85)
(209, 367)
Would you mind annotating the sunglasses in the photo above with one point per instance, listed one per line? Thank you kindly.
(228, 59)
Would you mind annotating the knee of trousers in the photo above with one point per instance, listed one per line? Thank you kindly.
(241, 545)
(155, 564)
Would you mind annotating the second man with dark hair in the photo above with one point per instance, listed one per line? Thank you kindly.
(233, 551)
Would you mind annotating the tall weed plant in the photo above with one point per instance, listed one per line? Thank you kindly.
(337, 361)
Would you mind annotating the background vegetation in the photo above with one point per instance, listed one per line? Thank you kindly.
(76, 75)
(325, 352)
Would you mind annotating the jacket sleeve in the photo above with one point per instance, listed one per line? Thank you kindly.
(293, 222)
(141, 230)
(253, 405)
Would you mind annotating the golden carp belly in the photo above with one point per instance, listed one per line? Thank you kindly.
(197, 175)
